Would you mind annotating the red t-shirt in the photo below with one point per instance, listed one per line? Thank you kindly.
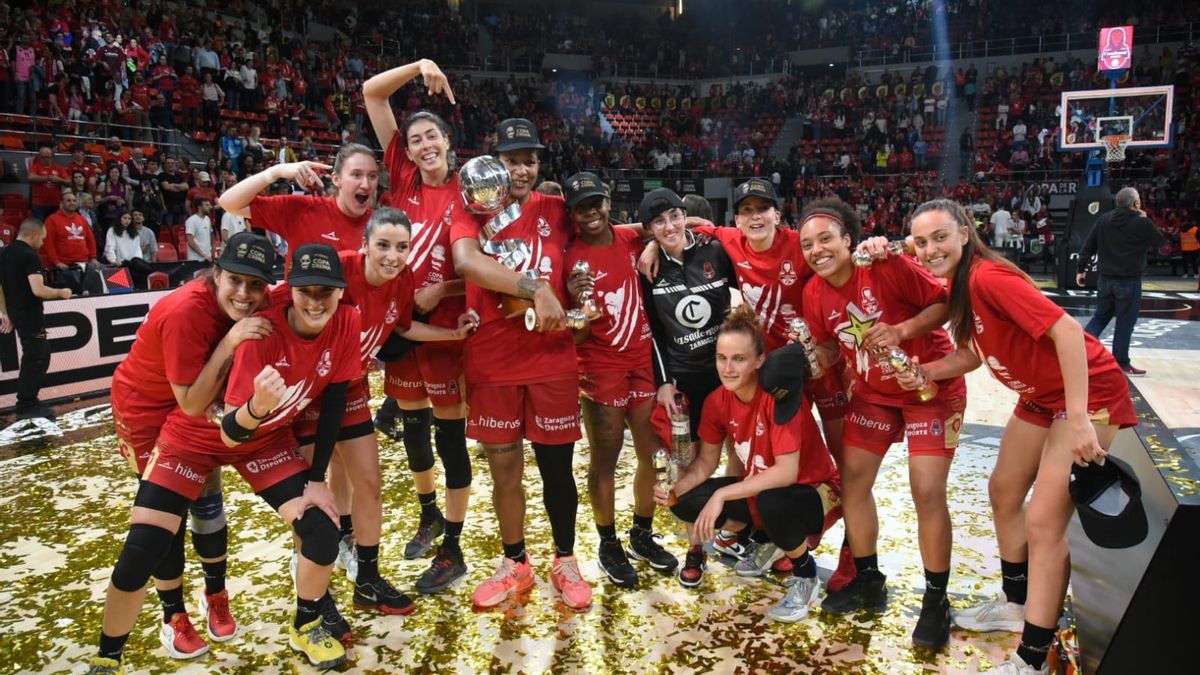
(431, 209)
(890, 291)
(381, 308)
(307, 367)
(89, 170)
(620, 339)
(306, 219)
(1011, 320)
(772, 281)
(174, 342)
(758, 440)
(501, 351)
(69, 239)
(46, 193)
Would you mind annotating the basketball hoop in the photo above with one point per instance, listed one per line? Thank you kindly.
(1115, 146)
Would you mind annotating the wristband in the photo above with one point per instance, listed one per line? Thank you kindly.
(250, 411)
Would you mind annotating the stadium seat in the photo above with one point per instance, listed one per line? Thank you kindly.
(158, 281)
(167, 252)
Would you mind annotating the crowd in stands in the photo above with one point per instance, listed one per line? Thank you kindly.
(258, 96)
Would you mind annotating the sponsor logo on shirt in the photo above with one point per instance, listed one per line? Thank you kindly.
(393, 313)
(978, 325)
(833, 316)
(868, 300)
(493, 423)
(556, 423)
(279, 458)
(75, 232)
(331, 236)
(545, 266)
(325, 364)
(709, 272)
(787, 273)
(759, 428)
(283, 363)
(865, 422)
(414, 200)
(438, 253)
(743, 263)
(543, 227)
(693, 311)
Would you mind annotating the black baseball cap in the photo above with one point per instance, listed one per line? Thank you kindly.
(250, 254)
(516, 133)
(655, 202)
(1108, 499)
(755, 187)
(316, 265)
(583, 185)
(782, 376)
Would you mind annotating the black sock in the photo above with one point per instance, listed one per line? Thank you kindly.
(214, 576)
(111, 647)
(1016, 580)
(306, 611)
(803, 565)
(608, 533)
(347, 522)
(936, 582)
(1035, 644)
(759, 536)
(867, 563)
(368, 563)
(515, 552)
(452, 535)
(643, 522)
(172, 602)
(743, 535)
(429, 507)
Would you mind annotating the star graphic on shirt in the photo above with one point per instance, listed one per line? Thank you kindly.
(856, 328)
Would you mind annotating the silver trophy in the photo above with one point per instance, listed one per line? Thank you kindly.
(801, 333)
(894, 248)
(486, 186)
(587, 299)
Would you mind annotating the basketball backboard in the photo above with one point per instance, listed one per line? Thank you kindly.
(1142, 113)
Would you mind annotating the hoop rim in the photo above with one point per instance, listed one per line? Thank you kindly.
(1115, 141)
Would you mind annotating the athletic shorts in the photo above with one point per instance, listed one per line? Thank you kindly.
(930, 429)
(625, 389)
(138, 420)
(544, 412)
(185, 471)
(829, 394)
(426, 373)
(1108, 403)
(356, 421)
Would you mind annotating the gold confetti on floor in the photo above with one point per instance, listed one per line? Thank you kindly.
(64, 515)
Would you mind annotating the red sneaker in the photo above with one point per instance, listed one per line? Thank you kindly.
(845, 572)
(221, 624)
(511, 578)
(575, 590)
(180, 639)
(1133, 372)
(782, 566)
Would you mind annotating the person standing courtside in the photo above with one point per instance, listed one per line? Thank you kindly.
(21, 308)
(1120, 239)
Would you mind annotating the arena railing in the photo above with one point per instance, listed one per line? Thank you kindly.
(39, 128)
(1036, 44)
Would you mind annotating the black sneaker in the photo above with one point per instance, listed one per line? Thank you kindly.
(643, 545)
(867, 591)
(447, 566)
(933, 627)
(694, 564)
(422, 542)
(380, 596)
(36, 411)
(615, 564)
(333, 622)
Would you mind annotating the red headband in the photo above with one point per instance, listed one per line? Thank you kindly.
(824, 214)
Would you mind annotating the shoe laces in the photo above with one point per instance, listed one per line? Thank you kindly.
(568, 569)
(442, 560)
(507, 568)
(183, 627)
(384, 588)
(694, 558)
(796, 592)
(318, 633)
(993, 606)
(218, 607)
(649, 540)
(329, 611)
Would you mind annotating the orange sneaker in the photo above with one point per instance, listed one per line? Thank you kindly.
(511, 577)
(180, 639)
(221, 624)
(576, 592)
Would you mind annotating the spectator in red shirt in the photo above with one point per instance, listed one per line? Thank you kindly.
(47, 179)
(204, 188)
(71, 247)
(79, 163)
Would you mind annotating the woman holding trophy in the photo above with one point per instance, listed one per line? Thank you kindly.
(425, 386)
(616, 382)
(1074, 399)
(510, 260)
(879, 311)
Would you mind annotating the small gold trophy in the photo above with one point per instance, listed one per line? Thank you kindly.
(901, 363)
(803, 335)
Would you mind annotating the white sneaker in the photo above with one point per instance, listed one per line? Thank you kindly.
(793, 607)
(1017, 666)
(759, 558)
(347, 558)
(997, 614)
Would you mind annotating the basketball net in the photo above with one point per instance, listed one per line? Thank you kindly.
(1115, 146)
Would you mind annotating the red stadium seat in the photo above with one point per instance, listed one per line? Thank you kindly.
(158, 281)
(167, 252)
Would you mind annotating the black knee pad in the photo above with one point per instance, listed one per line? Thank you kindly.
(144, 549)
(450, 437)
(416, 439)
(171, 565)
(208, 513)
(211, 545)
(318, 536)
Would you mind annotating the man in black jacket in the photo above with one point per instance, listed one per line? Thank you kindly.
(1120, 239)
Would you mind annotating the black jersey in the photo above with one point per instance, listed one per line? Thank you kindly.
(686, 305)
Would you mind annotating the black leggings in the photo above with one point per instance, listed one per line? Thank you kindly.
(789, 514)
(697, 387)
(559, 493)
